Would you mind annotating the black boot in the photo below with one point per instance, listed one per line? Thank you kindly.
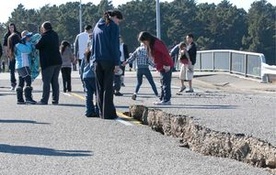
(19, 93)
(28, 95)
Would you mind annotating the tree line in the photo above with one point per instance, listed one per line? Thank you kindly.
(221, 26)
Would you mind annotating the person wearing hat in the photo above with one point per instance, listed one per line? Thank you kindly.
(20, 50)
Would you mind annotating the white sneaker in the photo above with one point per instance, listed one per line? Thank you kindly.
(162, 103)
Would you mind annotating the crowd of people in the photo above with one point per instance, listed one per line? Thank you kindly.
(102, 56)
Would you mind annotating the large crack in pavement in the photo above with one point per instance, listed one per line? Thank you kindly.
(238, 146)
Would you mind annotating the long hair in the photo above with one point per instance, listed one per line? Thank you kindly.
(13, 39)
(112, 13)
(8, 29)
(146, 36)
(63, 46)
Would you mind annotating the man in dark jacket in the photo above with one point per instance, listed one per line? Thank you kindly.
(50, 62)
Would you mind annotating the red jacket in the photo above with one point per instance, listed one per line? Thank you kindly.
(161, 56)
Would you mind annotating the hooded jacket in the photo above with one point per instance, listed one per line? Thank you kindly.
(106, 44)
(22, 55)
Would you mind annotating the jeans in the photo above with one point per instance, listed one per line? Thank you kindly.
(90, 84)
(12, 72)
(147, 73)
(104, 88)
(23, 80)
(50, 78)
(165, 80)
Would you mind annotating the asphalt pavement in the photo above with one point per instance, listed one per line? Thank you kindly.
(59, 139)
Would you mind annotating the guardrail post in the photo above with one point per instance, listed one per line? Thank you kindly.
(230, 62)
(213, 61)
(246, 65)
(200, 61)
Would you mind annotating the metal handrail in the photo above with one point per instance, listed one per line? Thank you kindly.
(244, 63)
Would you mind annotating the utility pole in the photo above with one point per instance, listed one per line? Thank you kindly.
(158, 27)
(80, 16)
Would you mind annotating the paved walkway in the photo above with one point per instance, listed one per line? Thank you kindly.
(52, 139)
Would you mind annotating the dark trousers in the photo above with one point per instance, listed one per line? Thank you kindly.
(123, 69)
(12, 72)
(24, 76)
(165, 80)
(148, 75)
(50, 78)
(104, 88)
(66, 78)
(117, 83)
(23, 80)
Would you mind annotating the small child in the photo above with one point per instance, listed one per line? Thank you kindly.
(88, 77)
(143, 62)
(186, 73)
(20, 50)
(66, 67)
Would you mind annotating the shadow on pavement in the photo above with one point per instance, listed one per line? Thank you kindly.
(23, 121)
(4, 148)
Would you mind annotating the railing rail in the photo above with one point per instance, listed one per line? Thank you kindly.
(244, 63)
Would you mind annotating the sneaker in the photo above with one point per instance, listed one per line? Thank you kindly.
(123, 85)
(182, 89)
(163, 103)
(134, 97)
(190, 91)
(12, 88)
(118, 94)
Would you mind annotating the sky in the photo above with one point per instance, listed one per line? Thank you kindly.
(7, 8)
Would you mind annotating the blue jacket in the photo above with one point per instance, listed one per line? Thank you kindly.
(106, 44)
(22, 55)
(86, 69)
